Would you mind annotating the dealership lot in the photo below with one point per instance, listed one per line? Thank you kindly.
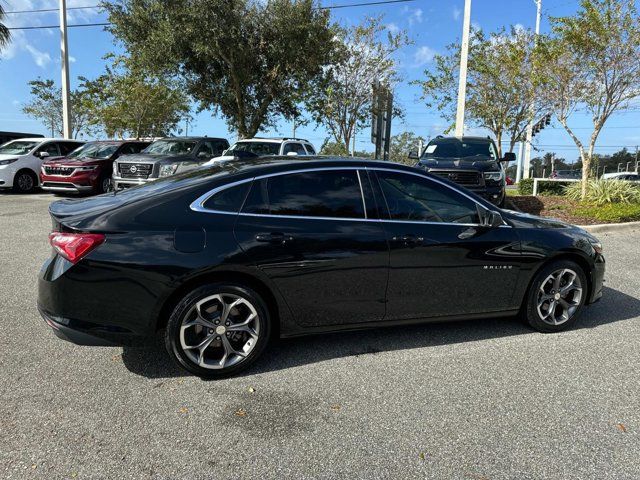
(484, 399)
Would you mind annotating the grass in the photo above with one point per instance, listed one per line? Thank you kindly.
(512, 192)
(610, 213)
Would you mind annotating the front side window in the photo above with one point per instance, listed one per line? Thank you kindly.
(334, 194)
(414, 198)
(50, 148)
(296, 148)
(257, 148)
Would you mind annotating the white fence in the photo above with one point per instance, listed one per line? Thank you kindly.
(537, 181)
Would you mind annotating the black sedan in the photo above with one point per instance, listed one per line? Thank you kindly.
(221, 259)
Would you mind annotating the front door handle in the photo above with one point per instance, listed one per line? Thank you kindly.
(409, 240)
(274, 237)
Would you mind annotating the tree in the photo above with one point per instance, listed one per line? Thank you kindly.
(337, 149)
(402, 144)
(5, 34)
(499, 84)
(341, 98)
(591, 62)
(250, 60)
(128, 101)
(45, 105)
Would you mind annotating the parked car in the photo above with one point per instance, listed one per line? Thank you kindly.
(8, 136)
(222, 258)
(628, 176)
(258, 147)
(87, 169)
(20, 160)
(509, 180)
(566, 174)
(471, 162)
(165, 157)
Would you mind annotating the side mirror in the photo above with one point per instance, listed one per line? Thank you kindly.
(491, 219)
(509, 157)
(43, 154)
(413, 155)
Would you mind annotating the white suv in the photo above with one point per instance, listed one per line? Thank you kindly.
(20, 160)
(266, 146)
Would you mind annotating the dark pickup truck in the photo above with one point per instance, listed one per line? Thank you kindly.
(471, 162)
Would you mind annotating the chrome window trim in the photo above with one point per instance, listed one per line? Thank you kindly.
(364, 205)
(197, 204)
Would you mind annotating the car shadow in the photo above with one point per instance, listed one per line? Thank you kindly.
(152, 361)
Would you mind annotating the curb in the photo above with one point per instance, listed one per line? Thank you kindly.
(612, 227)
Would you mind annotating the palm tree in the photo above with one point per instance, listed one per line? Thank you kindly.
(5, 34)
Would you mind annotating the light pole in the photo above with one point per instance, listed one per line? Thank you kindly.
(519, 163)
(462, 82)
(527, 153)
(64, 54)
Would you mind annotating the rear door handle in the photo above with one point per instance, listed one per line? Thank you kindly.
(274, 237)
(408, 240)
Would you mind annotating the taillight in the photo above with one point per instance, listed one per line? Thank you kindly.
(74, 246)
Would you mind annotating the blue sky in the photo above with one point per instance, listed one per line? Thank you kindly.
(430, 24)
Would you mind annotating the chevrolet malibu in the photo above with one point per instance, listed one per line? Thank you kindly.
(221, 259)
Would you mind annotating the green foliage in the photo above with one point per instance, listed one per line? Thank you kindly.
(552, 188)
(128, 101)
(338, 149)
(402, 144)
(45, 105)
(5, 34)
(525, 187)
(610, 213)
(340, 98)
(499, 86)
(601, 192)
(591, 62)
(250, 60)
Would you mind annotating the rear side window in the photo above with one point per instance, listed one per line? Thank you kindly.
(310, 149)
(296, 148)
(228, 200)
(334, 194)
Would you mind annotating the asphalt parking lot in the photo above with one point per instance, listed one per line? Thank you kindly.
(470, 400)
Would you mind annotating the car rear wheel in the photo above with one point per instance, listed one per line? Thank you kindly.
(556, 297)
(105, 185)
(218, 330)
(25, 181)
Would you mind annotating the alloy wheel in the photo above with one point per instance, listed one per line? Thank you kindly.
(25, 182)
(106, 185)
(220, 331)
(559, 296)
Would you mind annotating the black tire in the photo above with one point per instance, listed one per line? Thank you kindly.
(184, 312)
(25, 181)
(533, 315)
(105, 185)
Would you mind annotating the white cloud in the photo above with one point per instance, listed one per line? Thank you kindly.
(42, 59)
(72, 59)
(415, 16)
(423, 55)
(456, 13)
(393, 28)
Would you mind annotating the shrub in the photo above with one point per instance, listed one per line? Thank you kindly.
(610, 213)
(552, 188)
(601, 192)
(525, 186)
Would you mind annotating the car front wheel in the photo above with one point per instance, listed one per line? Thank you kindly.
(556, 297)
(218, 330)
(25, 181)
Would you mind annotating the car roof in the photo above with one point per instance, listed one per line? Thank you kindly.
(273, 139)
(459, 139)
(46, 139)
(191, 138)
